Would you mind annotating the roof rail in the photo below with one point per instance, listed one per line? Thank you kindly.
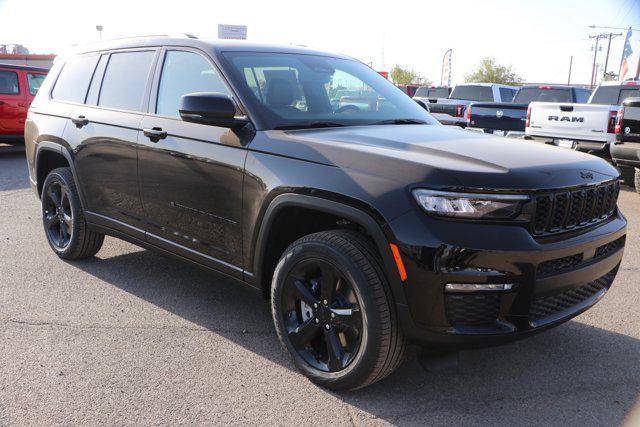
(176, 35)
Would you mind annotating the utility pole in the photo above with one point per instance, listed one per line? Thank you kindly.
(606, 61)
(570, 64)
(595, 55)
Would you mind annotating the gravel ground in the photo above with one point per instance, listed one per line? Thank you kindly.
(132, 337)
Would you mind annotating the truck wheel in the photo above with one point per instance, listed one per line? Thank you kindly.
(333, 311)
(628, 175)
(63, 218)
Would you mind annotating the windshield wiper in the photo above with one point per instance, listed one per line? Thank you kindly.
(310, 125)
(400, 122)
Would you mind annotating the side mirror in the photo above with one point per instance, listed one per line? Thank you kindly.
(210, 108)
(422, 104)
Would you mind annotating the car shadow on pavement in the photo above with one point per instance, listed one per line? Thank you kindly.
(545, 374)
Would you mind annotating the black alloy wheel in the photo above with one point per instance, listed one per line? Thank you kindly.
(63, 218)
(322, 315)
(58, 215)
(334, 312)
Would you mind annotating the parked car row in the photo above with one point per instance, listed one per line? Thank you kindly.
(561, 115)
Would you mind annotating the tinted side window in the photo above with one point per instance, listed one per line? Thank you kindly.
(125, 80)
(506, 95)
(628, 93)
(96, 80)
(472, 93)
(9, 83)
(74, 79)
(607, 95)
(185, 72)
(35, 81)
(582, 96)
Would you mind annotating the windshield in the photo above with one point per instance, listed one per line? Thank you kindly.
(290, 90)
(432, 92)
(531, 94)
(472, 93)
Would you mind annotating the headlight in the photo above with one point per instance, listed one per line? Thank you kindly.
(469, 205)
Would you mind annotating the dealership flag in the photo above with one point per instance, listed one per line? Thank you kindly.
(626, 53)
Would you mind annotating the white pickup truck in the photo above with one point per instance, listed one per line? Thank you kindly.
(585, 127)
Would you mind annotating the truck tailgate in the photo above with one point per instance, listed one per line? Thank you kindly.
(588, 122)
(498, 116)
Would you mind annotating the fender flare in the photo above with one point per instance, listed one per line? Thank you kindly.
(60, 149)
(335, 208)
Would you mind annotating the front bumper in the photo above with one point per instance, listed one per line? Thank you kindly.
(554, 279)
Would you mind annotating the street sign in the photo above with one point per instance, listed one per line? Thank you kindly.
(236, 32)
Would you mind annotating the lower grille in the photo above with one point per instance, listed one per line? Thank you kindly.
(609, 248)
(554, 266)
(477, 309)
(548, 306)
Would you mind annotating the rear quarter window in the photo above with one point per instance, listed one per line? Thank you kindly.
(73, 81)
(9, 83)
(35, 81)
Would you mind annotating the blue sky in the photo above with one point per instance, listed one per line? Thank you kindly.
(535, 37)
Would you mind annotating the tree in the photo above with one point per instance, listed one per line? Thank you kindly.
(405, 76)
(490, 72)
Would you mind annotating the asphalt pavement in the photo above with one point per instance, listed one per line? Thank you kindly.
(133, 337)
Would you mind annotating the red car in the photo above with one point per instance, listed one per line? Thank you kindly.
(18, 86)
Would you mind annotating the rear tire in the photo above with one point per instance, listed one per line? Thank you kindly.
(366, 357)
(63, 218)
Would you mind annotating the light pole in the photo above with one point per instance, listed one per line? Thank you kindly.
(99, 28)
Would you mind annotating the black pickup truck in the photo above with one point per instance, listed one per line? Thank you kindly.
(511, 116)
(625, 151)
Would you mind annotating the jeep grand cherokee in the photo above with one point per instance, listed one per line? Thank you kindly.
(367, 224)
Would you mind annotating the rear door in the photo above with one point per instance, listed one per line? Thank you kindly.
(191, 179)
(104, 131)
(13, 107)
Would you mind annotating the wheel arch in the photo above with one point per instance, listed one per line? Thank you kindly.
(49, 156)
(338, 209)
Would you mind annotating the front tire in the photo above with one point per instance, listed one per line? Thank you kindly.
(63, 218)
(333, 311)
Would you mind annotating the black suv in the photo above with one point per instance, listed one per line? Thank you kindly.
(625, 151)
(366, 223)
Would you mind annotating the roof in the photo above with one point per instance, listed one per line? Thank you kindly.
(24, 67)
(202, 44)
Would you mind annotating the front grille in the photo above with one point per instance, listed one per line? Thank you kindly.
(548, 306)
(567, 210)
(609, 248)
(554, 266)
(476, 309)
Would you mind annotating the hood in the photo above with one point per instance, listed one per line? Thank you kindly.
(441, 157)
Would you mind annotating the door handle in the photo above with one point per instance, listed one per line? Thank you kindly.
(80, 121)
(155, 134)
